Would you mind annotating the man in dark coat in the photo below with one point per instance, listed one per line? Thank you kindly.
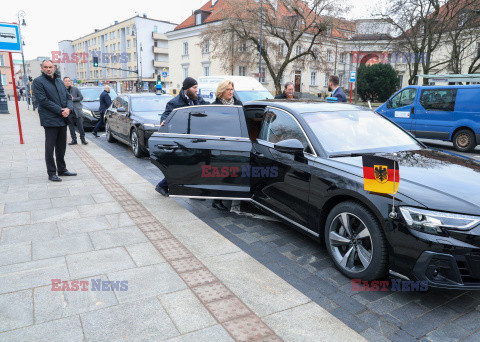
(54, 106)
(337, 92)
(188, 96)
(105, 102)
(288, 93)
(77, 113)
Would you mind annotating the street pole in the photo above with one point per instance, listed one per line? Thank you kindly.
(24, 78)
(141, 68)
(260, 54)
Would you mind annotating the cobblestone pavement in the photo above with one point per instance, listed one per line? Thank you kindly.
(378, 316)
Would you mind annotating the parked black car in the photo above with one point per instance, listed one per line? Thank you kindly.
(301, 161)
(91, 104)
(133, 118)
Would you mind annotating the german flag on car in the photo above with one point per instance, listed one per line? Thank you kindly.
(380, 174)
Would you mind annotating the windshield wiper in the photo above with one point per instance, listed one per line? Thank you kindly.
(340, 155)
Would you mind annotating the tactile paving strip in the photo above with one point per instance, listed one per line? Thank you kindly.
(240, 322)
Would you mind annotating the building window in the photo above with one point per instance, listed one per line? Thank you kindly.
(113, 47)
(206, 46)
(329, 56)
(198, 18)
(326, 80)
(185, 72)
(478, 49)
(206, 70)
(2, 62)
(185, 49)
(400, 81)
(242, 47)
(4, 79)
(298, 50)
(342, 57)
(242, 71)
(105, 37)
(127, 30)
(329, 31)
(340, 79)
(106, 48)
(128, 44)
(313, 79)
(118, 46)
(155, 29)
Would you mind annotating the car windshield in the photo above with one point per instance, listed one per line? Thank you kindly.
(253, 95)
(150, 103)
(358, 131)
(93, 94)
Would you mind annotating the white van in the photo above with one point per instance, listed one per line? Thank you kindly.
(246, 88)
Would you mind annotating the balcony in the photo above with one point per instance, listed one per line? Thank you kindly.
(160, 50)
(159, 36)
(159, 64)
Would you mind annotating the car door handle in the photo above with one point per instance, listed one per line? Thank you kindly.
(199, 140)
(166, 146)
(258, 154)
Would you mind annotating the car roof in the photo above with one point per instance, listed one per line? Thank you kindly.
(147, 95)
(443, 86)
(307, 106)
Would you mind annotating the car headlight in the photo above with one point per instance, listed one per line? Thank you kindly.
(87, 112)
(432, 222)
(151, 126)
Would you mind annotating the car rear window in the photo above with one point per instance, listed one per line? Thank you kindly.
(206, 120)
(438, 99)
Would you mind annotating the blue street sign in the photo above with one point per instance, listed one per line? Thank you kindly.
(164, 74)
(353, 76)
(9, 38)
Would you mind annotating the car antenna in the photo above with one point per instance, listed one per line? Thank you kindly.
(393, 213)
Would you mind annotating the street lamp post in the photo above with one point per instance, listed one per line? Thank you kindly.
(141, 68)
(21, 14)
(136, 52)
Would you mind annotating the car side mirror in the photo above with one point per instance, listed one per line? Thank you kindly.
(389, 104)
(291, 146)
(121, 110)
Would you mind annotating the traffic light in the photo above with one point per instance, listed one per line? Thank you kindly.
(95, 61)
(159, 80)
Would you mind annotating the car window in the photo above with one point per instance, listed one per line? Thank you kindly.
(438, 99)
(252, 95)
(116, 103)
(150, 103)
(93, 94)
(206, 120)
(124, 103)
(403, 98)
(279, 125)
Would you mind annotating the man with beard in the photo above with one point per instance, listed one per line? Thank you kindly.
(337, 92)
(188, 96)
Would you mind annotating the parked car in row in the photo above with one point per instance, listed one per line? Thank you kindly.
(91, 104)
(450, 113)
(302, 162)
(132, 119)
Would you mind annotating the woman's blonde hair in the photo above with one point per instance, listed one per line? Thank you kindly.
(222, 87)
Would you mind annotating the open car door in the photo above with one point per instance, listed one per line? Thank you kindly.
(204, 152)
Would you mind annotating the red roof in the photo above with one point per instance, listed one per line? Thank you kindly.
(219, 11)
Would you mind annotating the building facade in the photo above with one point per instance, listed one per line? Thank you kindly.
(138, 43)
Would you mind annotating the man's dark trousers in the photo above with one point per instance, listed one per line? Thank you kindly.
(71, 126)
(99, 124)
(55, 141)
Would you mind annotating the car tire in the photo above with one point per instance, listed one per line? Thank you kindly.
(464, 140)
(135, 143)
(360, 251)
(108, 133)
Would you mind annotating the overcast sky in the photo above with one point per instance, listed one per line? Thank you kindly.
(49, 22)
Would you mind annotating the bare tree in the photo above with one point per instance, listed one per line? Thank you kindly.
(422, 27)
(294, 31)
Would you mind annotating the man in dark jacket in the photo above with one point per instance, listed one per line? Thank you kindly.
(77, 113)
(337, 92)
(288, 93)
(188, 96)
(54, 106)
(105, 102)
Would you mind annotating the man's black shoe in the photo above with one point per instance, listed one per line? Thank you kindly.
(67, 173)
(162, 191)
(84, 142)
(95, 134)
(74, 142)
(217, 204)
(54, 178)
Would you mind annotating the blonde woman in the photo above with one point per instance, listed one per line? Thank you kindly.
(225, 96)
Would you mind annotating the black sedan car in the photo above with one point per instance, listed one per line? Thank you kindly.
(302, 162)
(133, 118)
(91, 104)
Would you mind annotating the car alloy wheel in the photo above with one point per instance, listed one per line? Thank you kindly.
(350, 242)
(134, 141)
(464, 140)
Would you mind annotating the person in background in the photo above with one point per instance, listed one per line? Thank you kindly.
(224, 96)
(288, 93)
(337, 92)
(105, 102)
(188, 96)
(76, 115)
(54, 106)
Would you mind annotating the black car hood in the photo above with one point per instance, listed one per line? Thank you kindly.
(148, 117)
(92, 106)
(438, 180)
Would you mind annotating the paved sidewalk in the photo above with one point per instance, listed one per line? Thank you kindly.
(172, 277)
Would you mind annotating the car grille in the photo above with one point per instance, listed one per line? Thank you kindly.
(469, 268)
(96, 114)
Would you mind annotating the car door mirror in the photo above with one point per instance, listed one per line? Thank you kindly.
(389, 104)
(121, 110)
(291, 146)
